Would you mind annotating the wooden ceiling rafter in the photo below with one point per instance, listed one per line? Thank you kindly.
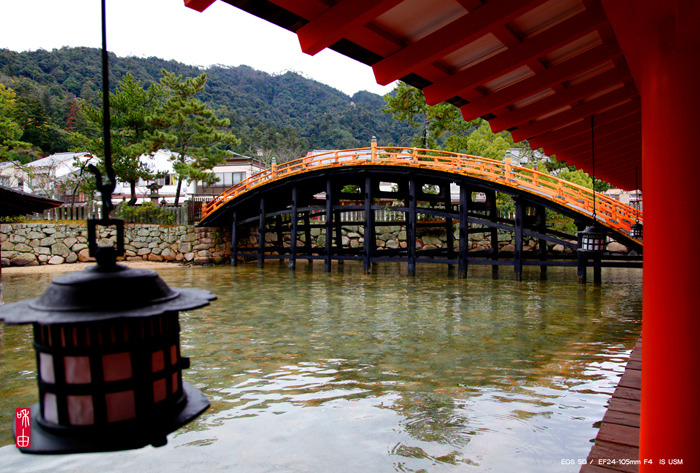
(605, 144)
(569, 96)
(575, 113)
(537, 68)
(584, 139)
(582, 126)
(512, 58)
(549, 78)
(336, 22)
(449, 38)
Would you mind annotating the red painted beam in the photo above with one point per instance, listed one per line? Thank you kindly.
(541, 81)
(449, 38)
(198, 5)
(601, 142)
(576, 113)
(609, 150)
(560, 99)
(336, 22)
(512, 58)
(623, 110)
(621, 126)
(308, 9)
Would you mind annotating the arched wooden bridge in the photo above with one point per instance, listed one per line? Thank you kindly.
(299, 195)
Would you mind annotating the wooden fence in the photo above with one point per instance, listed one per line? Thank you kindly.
(162, 215)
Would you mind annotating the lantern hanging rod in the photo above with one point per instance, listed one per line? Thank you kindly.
(593, 165)
(105, 189)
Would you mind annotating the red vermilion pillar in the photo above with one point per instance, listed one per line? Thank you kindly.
(660, 41)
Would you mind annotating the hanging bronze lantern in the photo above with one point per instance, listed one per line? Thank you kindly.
(636, 230)
(107, 342)
(594, 238)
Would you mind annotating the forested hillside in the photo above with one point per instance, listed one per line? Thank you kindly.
(284, 114)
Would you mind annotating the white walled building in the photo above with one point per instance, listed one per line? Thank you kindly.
(236, 169)
(43, 176)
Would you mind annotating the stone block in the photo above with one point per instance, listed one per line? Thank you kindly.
(24, 259)
(56, 260)
(84, 256)
(155, 258)
(78, 247)
(185, 247)
(202, 260)
(42, 251)
(189, 256)
(144, 251)
(168, 254)
(613, 247)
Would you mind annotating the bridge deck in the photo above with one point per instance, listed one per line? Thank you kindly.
(609, 212)
(617, 443)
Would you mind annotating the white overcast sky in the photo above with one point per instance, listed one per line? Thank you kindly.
(167, 29)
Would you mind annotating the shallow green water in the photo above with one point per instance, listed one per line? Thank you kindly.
(340, 372)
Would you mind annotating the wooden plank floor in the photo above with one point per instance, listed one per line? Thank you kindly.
(617, 443)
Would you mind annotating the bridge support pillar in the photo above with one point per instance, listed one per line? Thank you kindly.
(449, 227)
(581, 258)
(234, 239)
(338, 216)
(370, 239)
(329, 226)
(411, 226)
(518, 241)
(261, 234)
(493, 214)
(307, 238)
(541, 215)
(465, 196)
(597, 271)
(293, 230)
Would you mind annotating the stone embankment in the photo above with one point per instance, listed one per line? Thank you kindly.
(31, 244)
(427, 238)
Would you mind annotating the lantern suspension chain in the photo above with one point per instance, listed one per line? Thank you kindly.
(593, 159)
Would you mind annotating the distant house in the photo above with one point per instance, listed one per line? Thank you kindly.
(522, 157)
(11, 176)
(236, 169)
(45, 177)
(633, 198)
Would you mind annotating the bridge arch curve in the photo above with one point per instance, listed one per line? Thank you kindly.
(299, 195)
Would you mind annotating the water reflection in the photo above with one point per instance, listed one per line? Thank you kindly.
(313, 371)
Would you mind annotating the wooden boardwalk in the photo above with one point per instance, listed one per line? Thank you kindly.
(617, 443)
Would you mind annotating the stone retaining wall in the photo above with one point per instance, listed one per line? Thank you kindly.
(394, 236)
(31, 244)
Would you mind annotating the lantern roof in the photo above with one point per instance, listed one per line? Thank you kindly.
(84, 296)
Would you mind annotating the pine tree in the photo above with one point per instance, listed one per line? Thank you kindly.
(190, 129)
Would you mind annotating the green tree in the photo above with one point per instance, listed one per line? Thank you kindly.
(10, 130)
(190, 129)
(407, 104)
(484, 142)
(130, 108)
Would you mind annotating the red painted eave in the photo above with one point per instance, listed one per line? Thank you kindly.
(539, 68)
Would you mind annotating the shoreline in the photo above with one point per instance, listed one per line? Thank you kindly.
(67, 268)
